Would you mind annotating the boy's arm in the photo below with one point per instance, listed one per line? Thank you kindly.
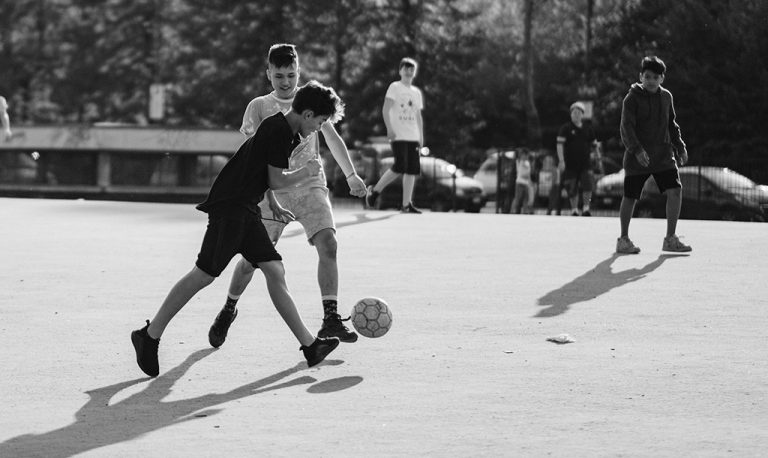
(629, 133)
(341, 155)
(388, 102)
(277, 210)
(251, 119)
(420, 123)
(283, 178)
(675, 135)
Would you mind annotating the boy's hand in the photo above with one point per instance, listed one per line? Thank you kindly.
(682, 157)
(642, 158)
(279, 212)
(313, 167)
(356, 185)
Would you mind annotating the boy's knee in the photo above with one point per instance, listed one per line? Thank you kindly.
(272, 269)
(244, 267)
(326, 244)
(200, 277)
(674, 192)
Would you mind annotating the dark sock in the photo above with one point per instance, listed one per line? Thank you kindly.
(329, 307)
(230, 304)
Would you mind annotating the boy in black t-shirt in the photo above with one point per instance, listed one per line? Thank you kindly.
(234, 222)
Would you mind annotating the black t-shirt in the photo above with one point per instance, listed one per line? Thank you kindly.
(244, 179)
(577, 146)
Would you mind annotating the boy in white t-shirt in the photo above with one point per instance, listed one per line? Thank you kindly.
(523, 184)
(403, 104)
(307, 201)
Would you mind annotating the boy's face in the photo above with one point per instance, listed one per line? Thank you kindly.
(311, 123)
(651, 80)
(407, 73)
(284, 79)
(577, 116)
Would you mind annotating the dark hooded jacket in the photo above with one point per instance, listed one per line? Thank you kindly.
(648, 123)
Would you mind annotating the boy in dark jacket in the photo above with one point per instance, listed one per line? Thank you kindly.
(654, 147)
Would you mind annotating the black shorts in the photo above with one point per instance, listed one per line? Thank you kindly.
(666, 179)
(232, 233)
(573, 180)
(406, 157)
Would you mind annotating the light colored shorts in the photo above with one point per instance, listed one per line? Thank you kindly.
(310, 206)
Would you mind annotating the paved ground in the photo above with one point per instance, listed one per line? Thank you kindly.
(668, 359)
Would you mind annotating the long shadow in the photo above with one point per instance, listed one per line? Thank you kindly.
(360, 218)
(99, 423)
(594, 282)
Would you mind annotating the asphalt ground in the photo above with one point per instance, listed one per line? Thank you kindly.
(668, 358)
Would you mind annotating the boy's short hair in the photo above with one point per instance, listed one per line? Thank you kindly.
(282, 55)
(322, 100)
(578, 106)
(407, 62)
(653, 64)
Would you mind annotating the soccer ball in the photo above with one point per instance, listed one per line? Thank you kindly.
(371, 317)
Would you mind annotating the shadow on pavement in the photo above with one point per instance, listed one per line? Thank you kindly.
(360, 218)
(99, 423)
(596, 281)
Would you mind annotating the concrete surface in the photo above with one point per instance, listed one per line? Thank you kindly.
(669, 357)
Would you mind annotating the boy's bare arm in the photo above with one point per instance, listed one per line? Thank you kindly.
(283, 178)
(341, 155)
(385, 112)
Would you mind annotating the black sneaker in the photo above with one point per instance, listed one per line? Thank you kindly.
(333, 327)
(146, 351)
(575, 213)
(410, 209)
(586, 213)
(218, 332)
(370, 197)
(319, 349)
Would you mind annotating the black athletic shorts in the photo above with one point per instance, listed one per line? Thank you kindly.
(231, 233)
(666, 179)
(406, 157)
(573, 180)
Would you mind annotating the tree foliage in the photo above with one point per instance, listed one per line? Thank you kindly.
(93, 60)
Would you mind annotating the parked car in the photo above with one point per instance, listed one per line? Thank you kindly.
(434, 188)
(708, 193)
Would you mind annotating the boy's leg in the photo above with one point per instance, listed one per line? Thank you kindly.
(388, 177)
(408, 184)
(180, 294)
(147, 339)
(674, 203)
(314, 349)
(241, 277)
(625, 214)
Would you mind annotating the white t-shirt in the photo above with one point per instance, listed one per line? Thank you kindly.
(402, 116)
(523, 171)
(309, 148)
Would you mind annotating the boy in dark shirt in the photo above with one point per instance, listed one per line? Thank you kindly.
(654, 147)
(234, 221)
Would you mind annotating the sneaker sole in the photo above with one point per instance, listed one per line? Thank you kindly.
(351, 339)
